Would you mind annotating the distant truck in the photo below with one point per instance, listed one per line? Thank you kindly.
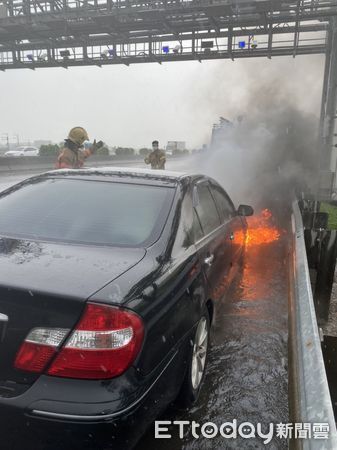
(173, 146)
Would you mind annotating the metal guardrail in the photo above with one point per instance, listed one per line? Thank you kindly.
(310, 400)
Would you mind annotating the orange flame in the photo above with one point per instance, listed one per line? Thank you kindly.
(261, 230)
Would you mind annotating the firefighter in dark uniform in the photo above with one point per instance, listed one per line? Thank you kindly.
(156, 158)
(73, 155)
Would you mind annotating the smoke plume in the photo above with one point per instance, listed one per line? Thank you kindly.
(272, 148)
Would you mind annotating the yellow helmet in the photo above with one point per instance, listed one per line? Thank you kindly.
(78, 135)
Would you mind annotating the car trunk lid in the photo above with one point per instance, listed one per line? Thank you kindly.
(47, 285)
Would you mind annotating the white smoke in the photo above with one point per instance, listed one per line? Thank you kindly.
(274, 148)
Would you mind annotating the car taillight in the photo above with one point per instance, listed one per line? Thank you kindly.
(39, 347)
(103, 345)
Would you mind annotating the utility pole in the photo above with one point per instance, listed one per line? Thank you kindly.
(326, 156)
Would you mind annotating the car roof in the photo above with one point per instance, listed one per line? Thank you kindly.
(124, 172)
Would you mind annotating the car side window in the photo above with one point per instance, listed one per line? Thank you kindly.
(206, 209)
(223, 203)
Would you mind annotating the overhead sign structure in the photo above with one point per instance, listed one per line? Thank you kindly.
(36, 34)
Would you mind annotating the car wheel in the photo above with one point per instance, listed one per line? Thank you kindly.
(196, 363)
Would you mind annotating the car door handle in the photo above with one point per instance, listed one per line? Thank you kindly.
(209, 260)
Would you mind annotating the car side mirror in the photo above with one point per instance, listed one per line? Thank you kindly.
(245, 210)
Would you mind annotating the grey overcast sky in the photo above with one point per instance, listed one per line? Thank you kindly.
(130, 106)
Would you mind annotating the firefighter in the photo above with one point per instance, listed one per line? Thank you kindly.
(156, 158)
(73, 155)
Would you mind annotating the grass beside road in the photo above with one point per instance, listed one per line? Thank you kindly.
(332, 211)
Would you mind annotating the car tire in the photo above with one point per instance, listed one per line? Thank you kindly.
(196, 363)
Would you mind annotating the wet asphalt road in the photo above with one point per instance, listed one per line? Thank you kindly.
(8, 180)
(247, 374)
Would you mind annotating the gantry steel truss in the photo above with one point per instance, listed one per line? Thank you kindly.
(327, 157)
(64, 33)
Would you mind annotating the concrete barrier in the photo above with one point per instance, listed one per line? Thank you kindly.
(26, 164)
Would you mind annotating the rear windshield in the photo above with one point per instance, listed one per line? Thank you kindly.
(90, 212)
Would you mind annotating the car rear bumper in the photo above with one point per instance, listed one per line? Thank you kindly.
(100, 413)
(25, 433)
(76, 422)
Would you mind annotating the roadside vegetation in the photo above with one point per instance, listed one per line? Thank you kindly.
(332, 211)
(49, 150)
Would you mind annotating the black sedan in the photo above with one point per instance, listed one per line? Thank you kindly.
(109, 282)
